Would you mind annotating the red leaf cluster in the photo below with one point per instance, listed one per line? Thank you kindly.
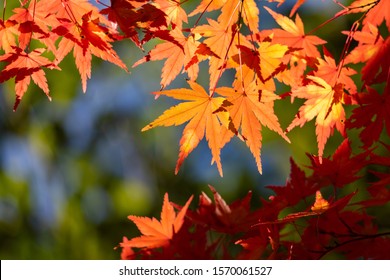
(298, 222)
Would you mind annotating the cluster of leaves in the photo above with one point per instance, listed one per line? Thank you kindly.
(226, 34)
(323, 229)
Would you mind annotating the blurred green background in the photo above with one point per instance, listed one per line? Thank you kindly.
(73, 169)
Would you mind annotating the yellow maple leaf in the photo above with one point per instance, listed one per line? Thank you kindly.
(202, 119)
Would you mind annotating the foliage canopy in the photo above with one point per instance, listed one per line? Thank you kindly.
(346, 93)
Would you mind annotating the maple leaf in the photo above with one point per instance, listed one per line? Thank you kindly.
(7, 35)
(377, 69)
(235, 10)
(266, 61)
(200, 112)
(293, 35)
(372, 115)
(324, 103)
(72, 10)
(28, 24)
(85, 39)
(130, 15)
(333, 74)
(218, 215)
(175, 14)
(220, 41)
(370, 41)
(230, 13)
(378, 13)
(24, 67)
(297, 188)
(332, 171)
(371, 50)
(158, 233)
(178, 54)
(248, 113)
(222, 36)
(202, 53)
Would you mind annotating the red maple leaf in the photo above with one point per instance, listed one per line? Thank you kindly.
(297, 187)
(377, 69)
(219, 216)
(372, 116)
(332, 171)
(131, 15)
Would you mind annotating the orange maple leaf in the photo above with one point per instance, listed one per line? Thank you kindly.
(178, 53)
(333, 74)
(34, 22)
(176, 15)
(203, 120)
(323, 102)
(24, 67)
(222, 40)
(293, 35)
(370, 41)
(235, 10)
(218, 39)
(69, 9)
(379, 13)
(251, 108)
(250, 15)
(7, 35)
(222, 36)
(157, 233)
